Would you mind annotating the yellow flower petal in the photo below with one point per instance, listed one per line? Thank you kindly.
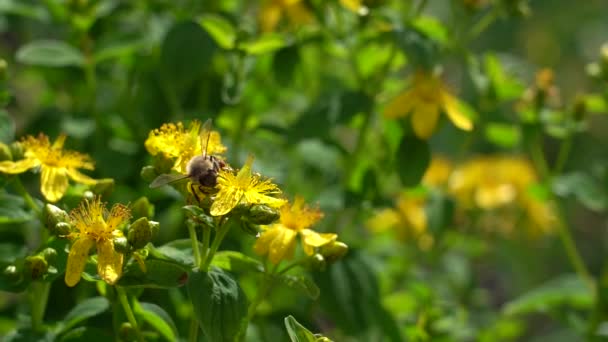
(452, 109)
(18, 166)
(400, 107)
(282, 246)
(109, 262)
(424, 119)
(77, 259)
(53, 182)
(225, 200)
(80, 177)
(312, 239)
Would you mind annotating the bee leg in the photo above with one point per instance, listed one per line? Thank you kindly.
(193, 191)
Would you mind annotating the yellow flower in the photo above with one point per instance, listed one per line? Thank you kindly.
(273, 10)
(424, 100)
(278, 241)
(243, 187)
(95, 226)
(437, 173)
(408, 219)
(56, 165)
(175, 142)
(356, 6)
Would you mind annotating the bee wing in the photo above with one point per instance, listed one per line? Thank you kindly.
(205, 135)
(165, 179)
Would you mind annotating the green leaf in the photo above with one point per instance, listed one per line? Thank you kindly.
(585, 188)
(84, 310)
(566, 290)
(219, 304)
(12, 209)
(431, 27)
(50, 53)
(350, 295)
(284, 64)
(297, 332)
(440, 211)
(413, 158)
(178, 251)
(503, 135)
(158, 318)
(117, 50)
(220, 29)
(300, 283)
(89, 334)
(18, 7)
(419, 48)
(264, 44)
(234, 261)
(186, 52)
(596, 103)
(161, 274)
(7, 127)
(505, 86)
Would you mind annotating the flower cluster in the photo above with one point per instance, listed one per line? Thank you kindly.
(56, 165)
(499, 187)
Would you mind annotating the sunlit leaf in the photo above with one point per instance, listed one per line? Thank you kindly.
(220, 29)
(50, 53)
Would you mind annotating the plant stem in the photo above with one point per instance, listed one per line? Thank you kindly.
(193, 334)
(217, 240)
(206, 239)
(26, 196)
(572, 252)
(124, 301)
(195, 249)
(39, 294)
(265, 287)
(562, 156)
(483, 24)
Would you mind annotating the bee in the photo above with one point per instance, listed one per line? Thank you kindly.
(202, 170)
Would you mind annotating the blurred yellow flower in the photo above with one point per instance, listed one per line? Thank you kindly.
(56, 165)
(175, 142)
(438, 172)
(494, 183)
(273, 10)
(95, 226)
(278, 241)
(356, 6)
(244, 186)
(425, 99)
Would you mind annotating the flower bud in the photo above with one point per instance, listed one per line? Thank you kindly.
(316, 262)
(103, 187)
(61, 229)
(198, 216)
(5, 152)
(12, 273)
(54, 215)
(36, 266)
(17, 150)
(262, 214)
(140, 233)
(142, 208)
(88, 195)
(127, 332)
(121, 245)
(49, 254)
(148, 173)
(334, 251)
(249, 228)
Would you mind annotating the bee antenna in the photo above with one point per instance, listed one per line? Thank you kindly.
(206, 135)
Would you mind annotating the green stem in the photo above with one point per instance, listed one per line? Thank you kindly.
(292, 265)
(124, 301)
(39, 294)
(195, 248)
(265, 287)
(193, 334)
(217, 240)
(206, 240)
(563, 154)
(483, 24)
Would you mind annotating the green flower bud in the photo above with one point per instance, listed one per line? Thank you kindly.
(262, 214)
(148, 173)
(334, 251)
(198, 216)
(140, 233)
(316, 262)
(36, 266)
(49, 254)
(126, 332)
(17, 150)
(121, 245)
(103, 187)
(249, 228)
(88, 195)
(142, 208)
(12, 273)
(61, 229)
(5, 152)
(54, 215)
